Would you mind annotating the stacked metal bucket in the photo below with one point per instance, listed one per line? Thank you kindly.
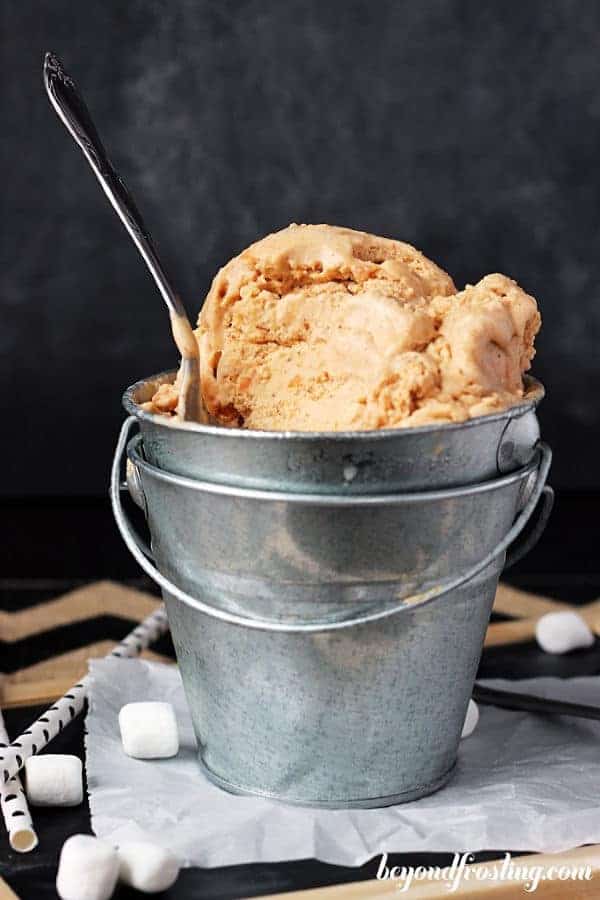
(328, 594)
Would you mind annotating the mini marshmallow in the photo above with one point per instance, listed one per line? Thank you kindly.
(149, 730)
(88, 869)
(559, 632)
(471, 719)
(54, 779)
(147, 867)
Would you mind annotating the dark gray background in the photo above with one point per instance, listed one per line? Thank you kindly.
(471, 129)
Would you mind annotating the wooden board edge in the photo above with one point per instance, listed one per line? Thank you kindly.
(6, 893)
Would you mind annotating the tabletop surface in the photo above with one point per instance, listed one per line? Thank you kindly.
(32, 875)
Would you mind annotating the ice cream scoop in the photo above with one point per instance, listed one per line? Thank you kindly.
(73, 112)
(323, 328)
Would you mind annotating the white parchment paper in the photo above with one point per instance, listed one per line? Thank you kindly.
(523, 782)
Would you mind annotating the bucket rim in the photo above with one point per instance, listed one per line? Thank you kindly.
(534, 394)
(307, 499)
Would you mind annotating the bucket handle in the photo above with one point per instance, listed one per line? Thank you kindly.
(517, 550)
(135, 547)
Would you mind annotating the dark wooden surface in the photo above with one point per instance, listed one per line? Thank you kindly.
(51, 546)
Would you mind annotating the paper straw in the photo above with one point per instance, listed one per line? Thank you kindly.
(58, 716)
(21, 833)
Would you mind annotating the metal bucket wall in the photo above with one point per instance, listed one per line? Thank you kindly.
(387, 460)
(294, 556)
(307, 679)
(365, 716)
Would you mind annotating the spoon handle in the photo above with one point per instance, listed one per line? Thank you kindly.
(530, 703)
(72, 110)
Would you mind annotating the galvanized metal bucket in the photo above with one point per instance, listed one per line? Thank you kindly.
(311, 674)
(364, 462)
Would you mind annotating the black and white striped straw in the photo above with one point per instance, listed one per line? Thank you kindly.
(60, 714)
(15, 810)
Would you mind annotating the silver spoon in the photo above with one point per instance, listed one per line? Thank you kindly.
(71, 109)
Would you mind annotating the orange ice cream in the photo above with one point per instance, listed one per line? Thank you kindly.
(320, 328)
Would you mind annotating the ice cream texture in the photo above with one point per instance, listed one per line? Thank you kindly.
(322, 328)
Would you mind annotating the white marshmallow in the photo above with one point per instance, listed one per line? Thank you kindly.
(149, 730)
(147, 867)
(471, 719)
(559, 632)
(87, 869)
(54, 779)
